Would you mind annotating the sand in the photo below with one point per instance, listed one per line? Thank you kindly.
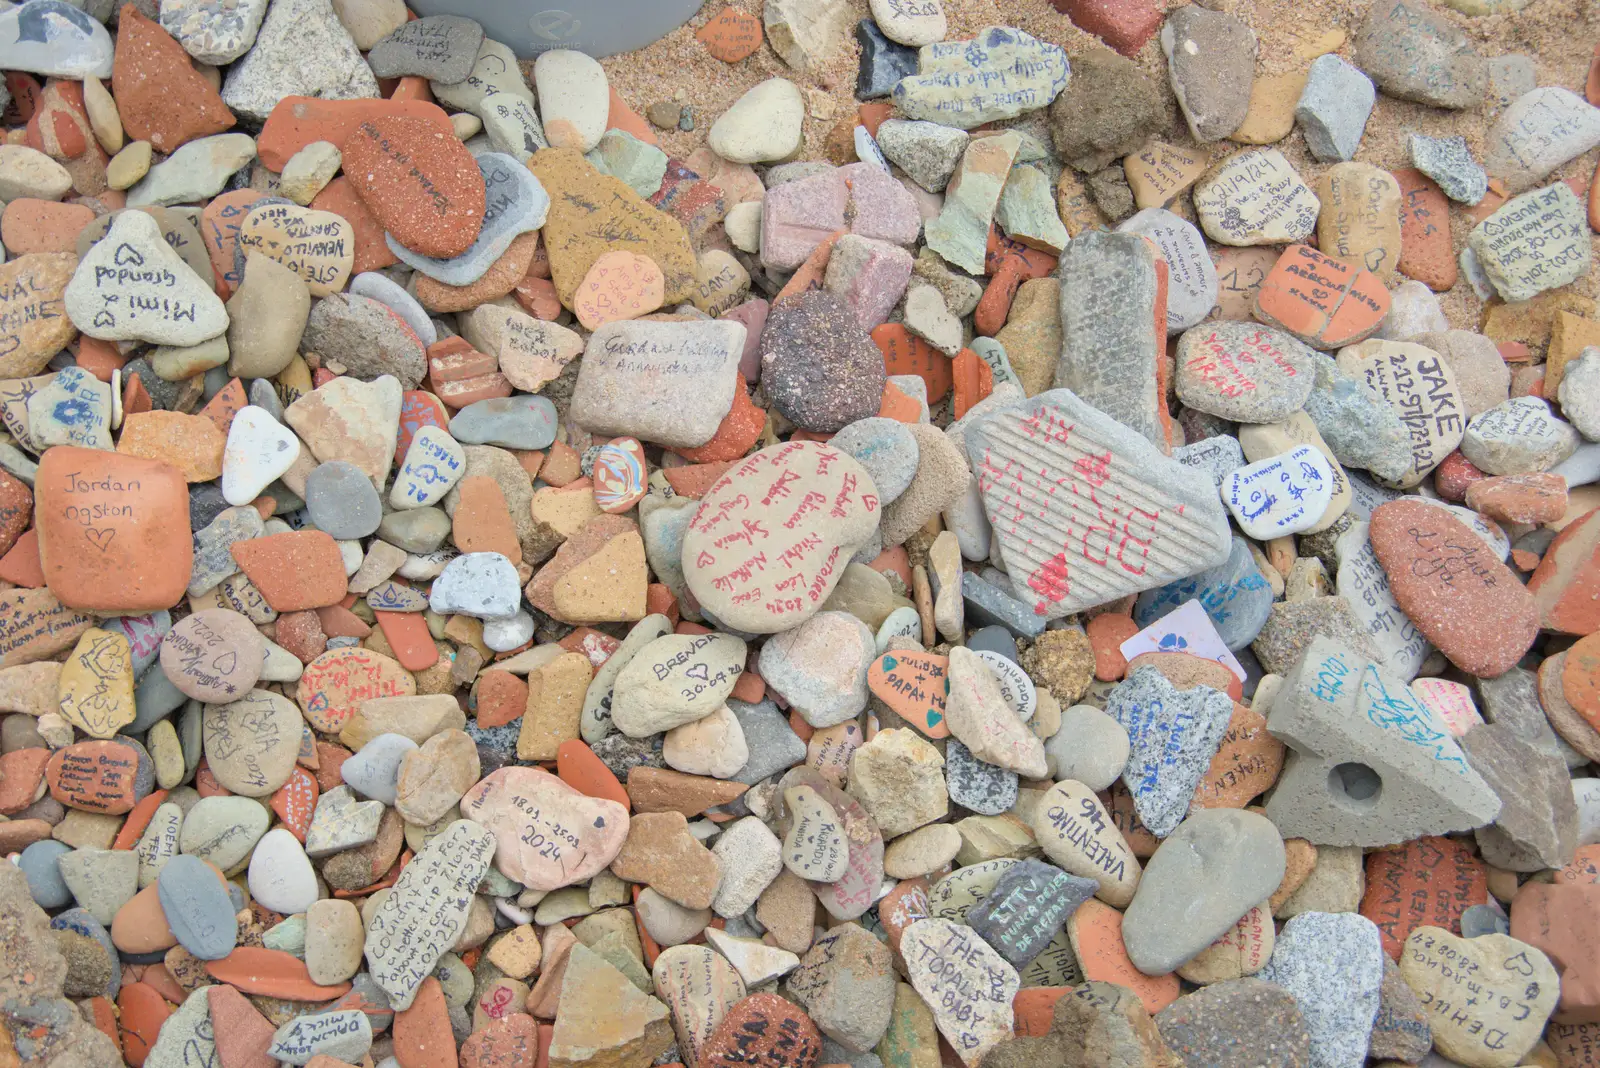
(1559, 35)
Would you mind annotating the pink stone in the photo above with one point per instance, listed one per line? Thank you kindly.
(862, 198)
(1452, 701)
(548, 834)
(753, 314)
(870, 276)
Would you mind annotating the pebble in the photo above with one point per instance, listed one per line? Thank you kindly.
(762, 126)
(197, 908)
(1168, 758)
(1211, 61)
(1415, 55)
(1237, 856)
(57, 40)
(1255, 197)
(1333, 966)
(947, 958)
(1333, 108)
(1535, 242)
(134, 264)
(1191, 276)
(1518, 437)
(573, 98)
(1448, 161)
(883, 62)
(441, 48)
(1243, 372)
(998, 75)
(1539, 132)
(1498, 963)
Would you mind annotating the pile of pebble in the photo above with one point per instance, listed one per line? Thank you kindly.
(997, 588)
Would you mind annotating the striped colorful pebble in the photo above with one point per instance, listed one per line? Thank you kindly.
(619, 475)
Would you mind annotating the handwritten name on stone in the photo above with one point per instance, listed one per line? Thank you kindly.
(966, 983)
(426, 911)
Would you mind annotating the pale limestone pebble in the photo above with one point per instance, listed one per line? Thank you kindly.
(223, 831)
(308, 171)
(301, 49)
(1090, 747)
(682, 403)
(1537, 134)
(675, 679)
(978, 715)
(910, 22)
(1077, 834)
(197, 171)
(75, 408)
(1255, 197)
(898, 778)
(27, 172)
(1027, 210)
(133, 286)
(425, 912)
(348, 419)
(846, 984)
(186, 1037)
(497, 94)
(129, 165)
(1535, 242)
(668, 922)
(964, 981)
(820, 667)
(814, 847)
(1490, 985)
(751, 857)
(258, 451)
(806, 33)
(1414, 309)
(754, 960)
(763, 126)
(1520, 436)
(340, 822)
(713, 746)
(699, 986)
(159, 843)
(743, 226)
(281, 876)
(1334, 107)
(922, 852)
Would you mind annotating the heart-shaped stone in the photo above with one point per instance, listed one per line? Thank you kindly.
(259, 450)
(549, 835)
(914, 685)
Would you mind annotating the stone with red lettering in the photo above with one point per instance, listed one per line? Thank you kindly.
(103, 777)
(763, 1030)
(1245, 372)
(964, 981)
(772, 537)
(1086, 510)
(1452, 586)
(549, 834)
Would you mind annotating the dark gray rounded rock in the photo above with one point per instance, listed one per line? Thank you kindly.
(342, 501)
(994, 639)
(819, 368)
(1109, 109)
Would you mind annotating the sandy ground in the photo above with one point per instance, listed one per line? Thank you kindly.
(1559, 35)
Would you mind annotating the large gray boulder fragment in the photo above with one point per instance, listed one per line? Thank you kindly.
(1369, 764)
(1537, 826)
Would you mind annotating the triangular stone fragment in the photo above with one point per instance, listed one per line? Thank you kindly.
(1086, 509)
(605, 1022)
(1369, 763)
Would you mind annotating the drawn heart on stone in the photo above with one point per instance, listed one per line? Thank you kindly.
(699, 671)
(103, 318)
(127, 254)
(935, 718)
(226, 662)
(100, 537)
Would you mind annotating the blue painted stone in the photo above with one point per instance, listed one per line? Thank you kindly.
(197, 907)
(1234, 594)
